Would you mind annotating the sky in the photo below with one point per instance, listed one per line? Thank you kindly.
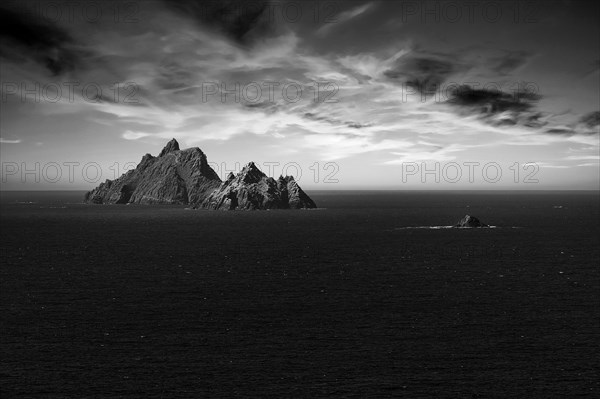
(341, 94)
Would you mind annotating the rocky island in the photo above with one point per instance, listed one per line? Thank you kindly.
(252, 189)
(470, 222)
(184, 177)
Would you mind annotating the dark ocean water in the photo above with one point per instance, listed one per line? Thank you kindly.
(151, 302)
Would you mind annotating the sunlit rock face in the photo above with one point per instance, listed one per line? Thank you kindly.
(184, 177)
(174, 177)
(252, 189)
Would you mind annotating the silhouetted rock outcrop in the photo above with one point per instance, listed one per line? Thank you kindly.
(185, 177)
(252, 189)
(470, 221)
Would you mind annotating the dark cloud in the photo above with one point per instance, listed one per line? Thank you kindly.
(493, 101)
(587, 124)
(242, 21)
(357, 125)
(559, 130)
(424, 73)
(591, 120)
(23, 34)
(498, 108)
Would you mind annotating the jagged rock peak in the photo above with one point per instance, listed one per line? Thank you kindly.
(470, 221)
(251, 174)
(286, 179)
(251, 166)
(171, 146)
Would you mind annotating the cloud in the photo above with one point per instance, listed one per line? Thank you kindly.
(591, 120)
(26, 35)
(365, 66)
(593, 157)
(586, 125)
(8, 141)
(560, 130)
(492, 101)
(497, 107)
(548, 165)
(242, 21)
(195, 42)
(344, 17)
(423, 72)
(129, 135)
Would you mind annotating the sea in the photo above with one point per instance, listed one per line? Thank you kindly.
(369, 296)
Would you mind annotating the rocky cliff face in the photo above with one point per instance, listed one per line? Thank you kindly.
(184, 177)
(252, 189)
(174, 177)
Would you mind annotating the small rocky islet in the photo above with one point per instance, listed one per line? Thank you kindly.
(469, 221)
(184, 177)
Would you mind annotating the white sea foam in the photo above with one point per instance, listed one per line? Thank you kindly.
(444, 227)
